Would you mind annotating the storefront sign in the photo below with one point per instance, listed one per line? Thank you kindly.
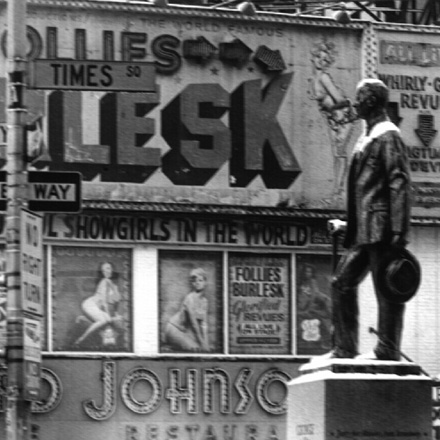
(259, 304)
(163, 400)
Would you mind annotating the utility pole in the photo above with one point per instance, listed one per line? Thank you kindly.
(18, 408)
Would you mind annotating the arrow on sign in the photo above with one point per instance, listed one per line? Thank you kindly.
(425, 130)
(271, 60)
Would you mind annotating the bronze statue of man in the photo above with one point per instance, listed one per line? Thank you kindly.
(378, 215)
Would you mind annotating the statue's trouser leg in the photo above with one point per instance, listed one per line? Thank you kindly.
(390, 318)
(350, 271)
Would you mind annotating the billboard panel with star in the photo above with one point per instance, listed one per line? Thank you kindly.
(216, 107)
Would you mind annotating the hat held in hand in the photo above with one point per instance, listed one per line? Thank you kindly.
(399, 275)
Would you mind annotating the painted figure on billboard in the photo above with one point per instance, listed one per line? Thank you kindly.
(187, 329)
(101, 308)
(378, 217)
(335, 108)
(190, 286)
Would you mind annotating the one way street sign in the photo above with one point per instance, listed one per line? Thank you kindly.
(49, 191)
(54, 191)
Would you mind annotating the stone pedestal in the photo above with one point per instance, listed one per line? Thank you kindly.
(349, 399)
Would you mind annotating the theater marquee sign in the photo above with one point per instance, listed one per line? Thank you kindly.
(179, 229)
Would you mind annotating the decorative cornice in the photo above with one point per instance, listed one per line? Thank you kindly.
(190, 208)
(191, 11)
(402, 27)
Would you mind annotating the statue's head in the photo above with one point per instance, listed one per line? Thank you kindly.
(372, 97)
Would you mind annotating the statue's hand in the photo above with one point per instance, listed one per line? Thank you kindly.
(336, 227)
(399, 240)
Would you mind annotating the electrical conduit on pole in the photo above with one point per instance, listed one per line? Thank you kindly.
(18, 408)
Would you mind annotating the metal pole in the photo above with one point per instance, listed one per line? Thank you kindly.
(18, 409)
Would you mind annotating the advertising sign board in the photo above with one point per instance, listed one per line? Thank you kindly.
(32, 358)
(415, 100)
(195, 105)
(32, 264)
(259, 303)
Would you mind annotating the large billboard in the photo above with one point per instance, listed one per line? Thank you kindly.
(408, 63)
(217, 107)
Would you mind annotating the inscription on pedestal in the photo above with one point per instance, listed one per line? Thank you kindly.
(305, 431)
(376, 434)
(353, 400)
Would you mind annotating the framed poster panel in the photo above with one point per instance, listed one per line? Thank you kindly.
(313, 304)
(91, 299)
(259, 303)
(190, 302)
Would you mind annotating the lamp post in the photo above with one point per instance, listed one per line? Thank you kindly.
(18, 408)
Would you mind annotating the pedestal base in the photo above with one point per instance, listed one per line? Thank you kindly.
(347, 399)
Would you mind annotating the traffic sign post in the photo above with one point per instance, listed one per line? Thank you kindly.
(92, 75)
(18, 407)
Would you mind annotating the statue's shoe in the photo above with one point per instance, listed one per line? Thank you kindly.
(335, 353)
(369, 356)
(387, 355)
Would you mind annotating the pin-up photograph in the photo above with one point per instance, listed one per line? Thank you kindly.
(313, 304)
(190, 289)
(91, 299)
